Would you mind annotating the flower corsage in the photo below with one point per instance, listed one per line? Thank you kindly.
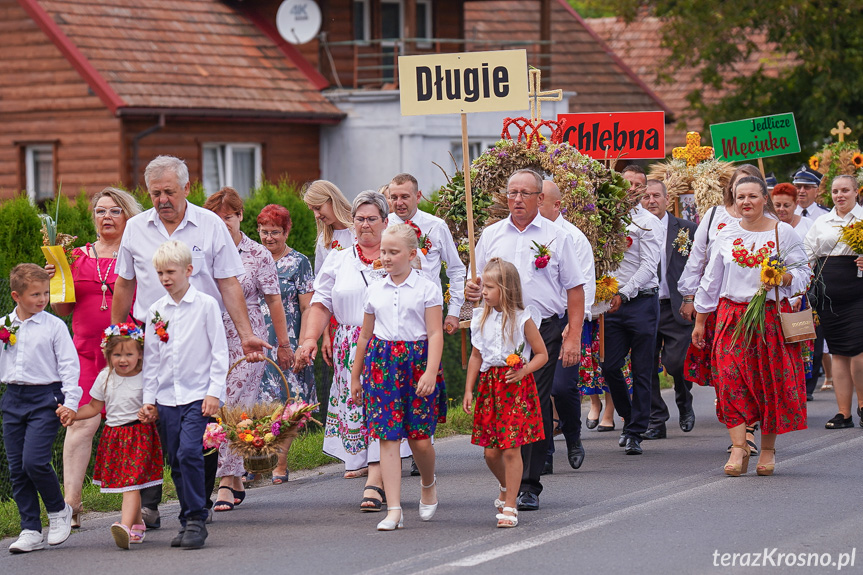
(542, 254)
(423, 240)
(515, 361)
(682, 242)
(7, 333)
(161, 327)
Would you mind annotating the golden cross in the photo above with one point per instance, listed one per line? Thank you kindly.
(693, 152)
(840, 130)
(537, 96)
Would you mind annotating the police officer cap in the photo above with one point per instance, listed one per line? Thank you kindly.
(806, 175)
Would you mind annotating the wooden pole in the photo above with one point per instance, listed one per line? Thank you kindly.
(463, 348)
(468, 201)
(761, 167)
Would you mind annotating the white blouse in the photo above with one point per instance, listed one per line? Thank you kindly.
(702, 243)
(399, 310)
(490, 341)
(725, 278)
(822, 239)
(123, 396)
(342, 283)
(342, 239)
(803, 226)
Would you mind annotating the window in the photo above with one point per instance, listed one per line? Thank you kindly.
(234, 165)
(39, 167)
(362, 23)
(474, 149)
(424, 22)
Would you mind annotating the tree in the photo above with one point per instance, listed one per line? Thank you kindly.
(823, 84)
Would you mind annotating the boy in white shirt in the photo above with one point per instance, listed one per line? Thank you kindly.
(185, 367)
(39, 365)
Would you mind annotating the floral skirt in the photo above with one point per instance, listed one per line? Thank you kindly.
(591, 381)
(393, 409)
(506, 414)
(762, 381)
(696, 366)
(129, 458)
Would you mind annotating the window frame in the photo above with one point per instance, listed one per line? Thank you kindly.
(367, 20)
(225, 168)
(30, 170)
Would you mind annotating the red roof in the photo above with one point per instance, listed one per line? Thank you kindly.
(187, 56)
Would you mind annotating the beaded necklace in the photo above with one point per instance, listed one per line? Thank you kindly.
(103, 281)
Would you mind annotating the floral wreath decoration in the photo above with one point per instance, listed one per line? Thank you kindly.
(837, 159)
(126, 330)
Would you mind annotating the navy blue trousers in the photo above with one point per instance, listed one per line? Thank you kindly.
(567, 397)
(30, 427)
(631, 329)
(182, 429)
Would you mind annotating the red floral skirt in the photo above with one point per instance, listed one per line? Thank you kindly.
(506, 414)
(129, 458)
(696, 365)
(762, 381)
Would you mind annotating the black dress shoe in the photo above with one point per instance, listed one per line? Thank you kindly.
(621, 441)
(575, 454)
(810, 397)
(548, 468)
(415, 472)
(527, 501)
(687, 421)
(633, 446)
(655, 433)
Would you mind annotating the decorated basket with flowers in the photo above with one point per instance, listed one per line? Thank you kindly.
(258, 433)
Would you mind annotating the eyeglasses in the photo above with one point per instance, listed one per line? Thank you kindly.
(525, 195)
(371, 220)
(268, 234)
(102, 212)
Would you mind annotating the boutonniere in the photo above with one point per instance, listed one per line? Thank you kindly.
(682, 242)
(7, 333)
(422, 239)
(515, 361)
(628, 242)
(542, 254)
(161, 327)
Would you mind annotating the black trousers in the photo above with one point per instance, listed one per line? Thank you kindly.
(817, 356)
(631, 330)
(672, 342)
(533, 454)
(567, 397)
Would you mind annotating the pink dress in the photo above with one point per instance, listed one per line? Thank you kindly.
(88, 319)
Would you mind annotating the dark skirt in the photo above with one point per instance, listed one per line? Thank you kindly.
(837, 296)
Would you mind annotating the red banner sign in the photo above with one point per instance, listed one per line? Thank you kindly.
(630, 135)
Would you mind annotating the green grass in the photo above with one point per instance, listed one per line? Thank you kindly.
(457, 421)
(306, 451)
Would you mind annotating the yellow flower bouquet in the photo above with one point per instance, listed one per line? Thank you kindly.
(852, 236)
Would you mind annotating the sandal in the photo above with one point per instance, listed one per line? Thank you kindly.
(226, 505)
(497, 502)
(356, 473)
(504, 520)
(239, 496)
(121, 535)
(827, 385)
(76, 515)
(376, 504)
(280, 479)
(137, 533)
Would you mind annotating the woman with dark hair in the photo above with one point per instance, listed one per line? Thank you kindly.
(296, 282)
(758, 376)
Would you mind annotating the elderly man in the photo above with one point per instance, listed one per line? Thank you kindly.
(806, 181)
(631, 323)
(565, 390)
(552, 290)
(215, 260)
(674, 331)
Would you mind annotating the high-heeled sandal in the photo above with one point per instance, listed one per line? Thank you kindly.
(764, 469)
(498, 504)
(427, 511)
(504, 520)
(738, 469)
(76, 516)
(390, 524)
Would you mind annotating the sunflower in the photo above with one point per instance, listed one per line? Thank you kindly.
(606, 288)
(813, 162)
(770, 276)
(857, 160)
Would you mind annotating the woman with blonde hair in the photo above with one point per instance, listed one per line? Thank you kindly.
(332, 218)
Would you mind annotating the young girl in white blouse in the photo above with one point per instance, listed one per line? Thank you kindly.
(396, 373)
(129, 456)
(507, 415)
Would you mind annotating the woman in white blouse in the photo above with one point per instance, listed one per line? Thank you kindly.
(838, 297)
(759, 379)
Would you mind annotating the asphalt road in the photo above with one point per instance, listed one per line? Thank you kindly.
(669, 511)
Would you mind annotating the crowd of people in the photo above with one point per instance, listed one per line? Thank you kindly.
(176, 309)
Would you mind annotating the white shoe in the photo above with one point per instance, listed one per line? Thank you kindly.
(497, 502)
(389, 524)
(504, 520)
(27, 541)
(428, 511)
(59, 525)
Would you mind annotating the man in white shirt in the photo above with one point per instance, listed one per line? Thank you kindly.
(565, 390)
(631, 323)
(806, 181)
(435, 237)
(674, 331)
(552, 286)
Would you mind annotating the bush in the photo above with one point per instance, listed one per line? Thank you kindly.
(20, 235)
(303, 232)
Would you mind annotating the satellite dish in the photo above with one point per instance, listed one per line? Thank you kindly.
(298, 21)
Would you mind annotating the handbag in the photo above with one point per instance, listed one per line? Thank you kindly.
(796, 326)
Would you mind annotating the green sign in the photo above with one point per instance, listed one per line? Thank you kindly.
(762, 137)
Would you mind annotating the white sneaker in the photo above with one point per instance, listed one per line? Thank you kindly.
(59, 526)
(27, 541)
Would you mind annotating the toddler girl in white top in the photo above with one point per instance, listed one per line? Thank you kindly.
(129, 456)
(507, 416)
(398, 357)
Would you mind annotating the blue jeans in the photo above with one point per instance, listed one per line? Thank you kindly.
(182, 429)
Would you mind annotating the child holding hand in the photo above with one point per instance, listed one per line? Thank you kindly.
(507, 413)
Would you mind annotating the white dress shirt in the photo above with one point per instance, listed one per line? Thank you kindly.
(584, 251)
(702, 243)
(342, 239)
(637, 271)
(803, 226)
(43, 354)
(399, 310)
(663, 262)
(342, 283)
(725, 278)
(443, 248)
(193, 363)
(214, 254)
(822, 239)
(493, 345)
(544, 289)
(123, 396)
(813, 212)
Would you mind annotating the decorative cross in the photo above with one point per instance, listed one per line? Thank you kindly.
(693, 152)
(840, 130)
(537, 96)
